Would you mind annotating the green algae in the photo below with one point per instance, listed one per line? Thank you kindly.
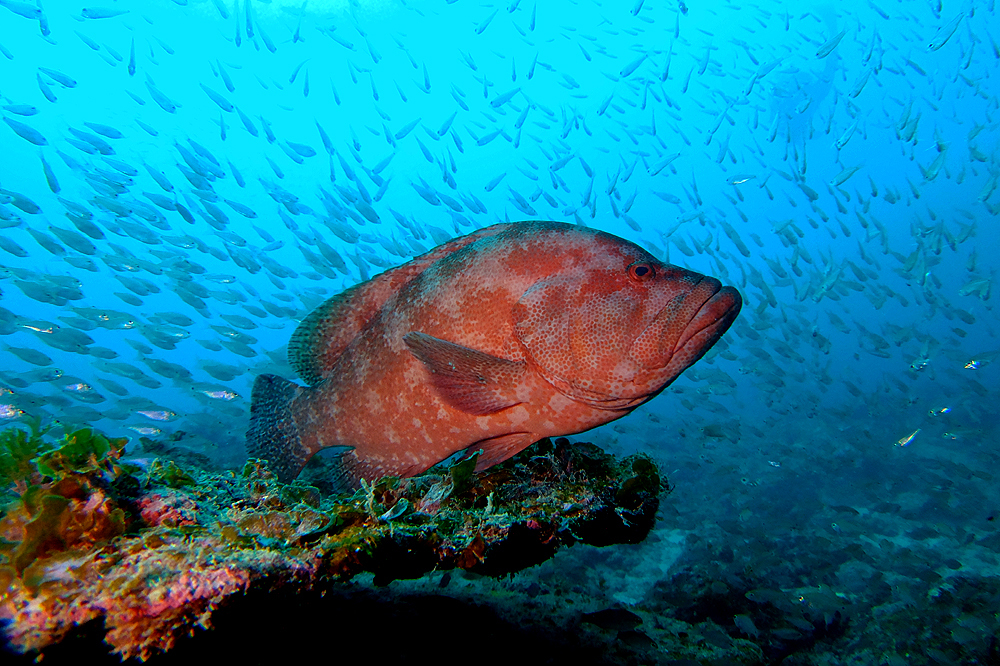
(82, 452)
(169, 474)
(59, 502)
(18, 450)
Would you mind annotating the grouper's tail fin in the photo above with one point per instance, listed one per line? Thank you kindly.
(273, 434)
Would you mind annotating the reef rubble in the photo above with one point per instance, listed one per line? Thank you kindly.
(153, 549)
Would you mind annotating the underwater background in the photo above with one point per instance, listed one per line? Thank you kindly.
(181, 182)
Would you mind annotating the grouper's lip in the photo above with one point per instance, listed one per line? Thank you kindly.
(712, 319)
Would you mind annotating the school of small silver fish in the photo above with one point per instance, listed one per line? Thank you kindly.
(182, 181)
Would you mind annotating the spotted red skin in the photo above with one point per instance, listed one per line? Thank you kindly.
(593, 343)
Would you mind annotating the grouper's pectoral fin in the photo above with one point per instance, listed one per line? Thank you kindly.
(469, 380)
(497, 449)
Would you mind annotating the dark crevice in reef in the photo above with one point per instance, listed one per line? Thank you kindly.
(288, 627)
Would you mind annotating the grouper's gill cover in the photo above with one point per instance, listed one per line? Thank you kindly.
(491, 341)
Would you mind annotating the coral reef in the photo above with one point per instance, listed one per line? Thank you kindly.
(155, 550)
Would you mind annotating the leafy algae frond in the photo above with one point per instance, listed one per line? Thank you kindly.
(18, 450)
(55, 497)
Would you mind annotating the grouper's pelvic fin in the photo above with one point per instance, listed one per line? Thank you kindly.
(273, 434)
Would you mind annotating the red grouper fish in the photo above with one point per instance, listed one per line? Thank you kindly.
(489, 342)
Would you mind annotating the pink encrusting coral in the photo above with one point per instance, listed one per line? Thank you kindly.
(167, 508)
(147, 597)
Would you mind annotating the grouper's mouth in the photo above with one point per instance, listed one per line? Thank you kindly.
(718, 310)
(688, 327)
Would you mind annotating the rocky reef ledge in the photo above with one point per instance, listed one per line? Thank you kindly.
(153, 548)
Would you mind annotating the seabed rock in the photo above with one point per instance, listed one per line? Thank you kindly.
(154, 552)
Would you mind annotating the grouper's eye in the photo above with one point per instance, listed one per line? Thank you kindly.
(640, 271)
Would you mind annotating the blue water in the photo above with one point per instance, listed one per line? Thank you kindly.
(711, 134)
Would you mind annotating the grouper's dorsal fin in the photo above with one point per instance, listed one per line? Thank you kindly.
(326, 332)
